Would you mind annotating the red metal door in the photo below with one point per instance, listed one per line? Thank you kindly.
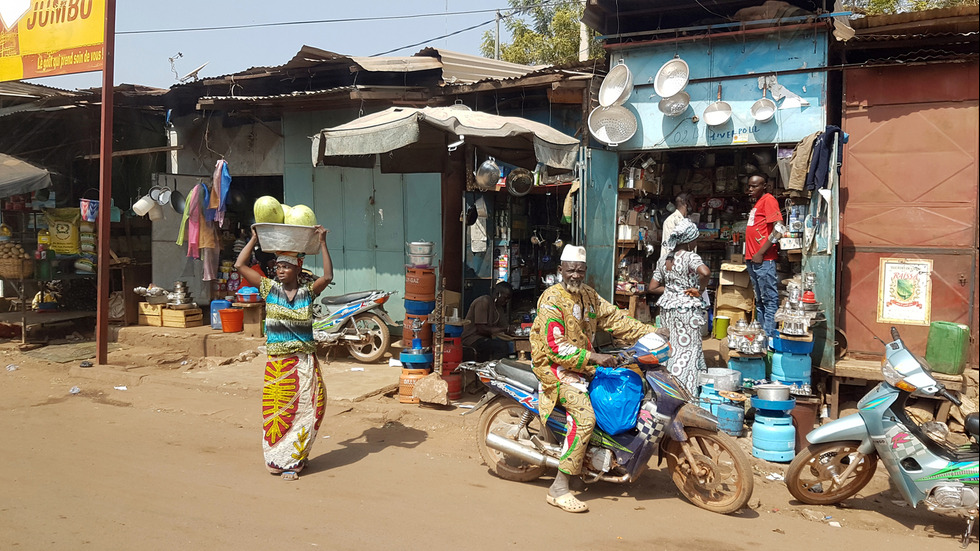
(909, 190)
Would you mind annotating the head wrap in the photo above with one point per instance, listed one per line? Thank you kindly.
(288, 259)
(572, 253)
(684, 232)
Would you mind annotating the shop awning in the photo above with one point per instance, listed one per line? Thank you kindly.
(416, 140)
(18, 177)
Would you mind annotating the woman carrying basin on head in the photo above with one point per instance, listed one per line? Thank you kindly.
(293, 395)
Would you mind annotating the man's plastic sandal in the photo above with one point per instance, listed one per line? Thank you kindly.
(289, 475)
(568, 502)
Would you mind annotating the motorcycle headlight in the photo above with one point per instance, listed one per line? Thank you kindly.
(894, 378)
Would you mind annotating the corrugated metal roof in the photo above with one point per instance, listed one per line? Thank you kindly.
(26, 90)
(963, 17)
(458, 68)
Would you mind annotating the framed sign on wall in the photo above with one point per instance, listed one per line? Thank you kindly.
(905, 291)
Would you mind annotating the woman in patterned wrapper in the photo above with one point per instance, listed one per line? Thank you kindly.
(680, 278)
(293, 395)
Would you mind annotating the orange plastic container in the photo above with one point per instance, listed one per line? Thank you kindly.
(232, 320)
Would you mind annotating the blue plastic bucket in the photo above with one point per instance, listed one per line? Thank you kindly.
(217, 306)
(730, 419)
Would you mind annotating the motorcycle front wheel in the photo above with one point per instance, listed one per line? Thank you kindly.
(376, 338)
(810, 477)
(720, 480)
(502, 417)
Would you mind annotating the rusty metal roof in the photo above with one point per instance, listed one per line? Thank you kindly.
(31, 92)
(458, 68)
(960, 19)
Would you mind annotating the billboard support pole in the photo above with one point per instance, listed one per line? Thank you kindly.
(105, 186)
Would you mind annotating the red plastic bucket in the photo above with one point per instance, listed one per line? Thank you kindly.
(232, 320)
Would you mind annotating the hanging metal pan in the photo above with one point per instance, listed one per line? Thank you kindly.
(717, 113)
(617, 86)
(519, 182)
(674, 105)
(764, 108)
(612, 125)
(671, 78)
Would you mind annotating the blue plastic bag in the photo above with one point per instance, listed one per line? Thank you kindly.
(616, 395)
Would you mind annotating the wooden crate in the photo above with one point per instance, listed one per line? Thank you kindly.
(151, 320)
(151, 309)
(191, 317)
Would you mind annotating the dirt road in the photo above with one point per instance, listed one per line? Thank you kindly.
(167, 464)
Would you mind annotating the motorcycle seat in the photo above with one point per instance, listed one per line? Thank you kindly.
(972, 424)
(518, 371)
(344, 299)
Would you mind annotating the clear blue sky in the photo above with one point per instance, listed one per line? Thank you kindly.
(142, 58)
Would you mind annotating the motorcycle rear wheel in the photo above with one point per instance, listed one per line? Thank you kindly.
(810, 477)
(377, 341)
(721, 481)
(502, 417)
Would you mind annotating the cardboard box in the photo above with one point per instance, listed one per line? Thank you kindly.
(734, 314)
(632, 218)
(740, 298)
(627, 233)
(740, 279)
(737, 258)
(653, 185)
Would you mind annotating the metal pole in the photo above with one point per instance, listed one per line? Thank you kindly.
(105, 186)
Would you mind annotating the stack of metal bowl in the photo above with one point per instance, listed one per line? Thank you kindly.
(180, 298)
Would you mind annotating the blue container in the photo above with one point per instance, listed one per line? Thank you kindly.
(751, 368)
(419, 307)
(731, 418)
(217, 306)
(453, 331)
(793, 347)
(773, 437)
(416, 361)
(791, 369)
(709, 399)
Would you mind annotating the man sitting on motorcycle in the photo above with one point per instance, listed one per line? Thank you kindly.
(568, 316)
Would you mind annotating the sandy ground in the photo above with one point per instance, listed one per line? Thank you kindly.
(174, 462)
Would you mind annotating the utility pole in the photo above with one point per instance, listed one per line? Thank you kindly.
(496, 39)
(583, 42)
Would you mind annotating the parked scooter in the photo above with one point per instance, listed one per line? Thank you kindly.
(355, 320)
(843, 454)
(706, 465)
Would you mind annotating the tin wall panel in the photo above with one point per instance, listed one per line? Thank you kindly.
(909, 190)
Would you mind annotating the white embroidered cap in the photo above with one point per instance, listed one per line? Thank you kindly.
(572, 253)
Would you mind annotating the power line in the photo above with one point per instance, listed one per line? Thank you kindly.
(478, 25)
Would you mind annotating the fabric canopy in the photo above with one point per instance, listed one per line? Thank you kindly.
(417, 139)
(18, 177)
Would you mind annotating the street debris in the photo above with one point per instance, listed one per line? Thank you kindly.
(12, 367)
(121, 387)
(74, 390)
(775, 477)
(357, 369)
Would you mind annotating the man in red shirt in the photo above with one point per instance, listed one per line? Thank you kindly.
(760, 250)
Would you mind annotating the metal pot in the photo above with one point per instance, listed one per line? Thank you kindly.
(420, 247)
(674, 105)
(772, 391)
(718, 113)
(487, 174)
(764, 108)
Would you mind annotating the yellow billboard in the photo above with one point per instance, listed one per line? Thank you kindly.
(42, 38)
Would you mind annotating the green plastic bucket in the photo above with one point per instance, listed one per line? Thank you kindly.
(948, 347)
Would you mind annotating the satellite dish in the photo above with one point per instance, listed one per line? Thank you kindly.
(193, 74)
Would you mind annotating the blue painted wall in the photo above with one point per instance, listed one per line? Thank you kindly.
(370, 215)
(601, 194)
(747, 59)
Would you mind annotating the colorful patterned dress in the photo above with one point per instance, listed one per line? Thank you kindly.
(684, 317)
(293, 395)
(561, 339)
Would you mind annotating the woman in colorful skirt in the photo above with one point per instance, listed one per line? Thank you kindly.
(680, 277)
(293, 395)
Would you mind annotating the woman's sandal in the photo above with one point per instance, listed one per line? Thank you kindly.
(568, 502)
(289, 475)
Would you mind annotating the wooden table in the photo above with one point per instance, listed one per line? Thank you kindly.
(633, 298)
(254, 314)
(870, 370)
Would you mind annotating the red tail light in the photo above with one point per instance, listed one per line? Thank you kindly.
(382, 299)
(648, 359)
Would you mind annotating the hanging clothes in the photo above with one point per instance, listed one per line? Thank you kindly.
(816, 177)
(800, 162)
(220, 183)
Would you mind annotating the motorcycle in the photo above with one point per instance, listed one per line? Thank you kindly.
(355, 320)
(707, 466)
(843, 454)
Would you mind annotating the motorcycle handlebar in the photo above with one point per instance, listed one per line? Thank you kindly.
(945, 394)
(895, 336)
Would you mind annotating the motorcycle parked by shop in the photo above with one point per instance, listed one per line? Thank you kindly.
(707, 466)
(925, 468)
(355, 320)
